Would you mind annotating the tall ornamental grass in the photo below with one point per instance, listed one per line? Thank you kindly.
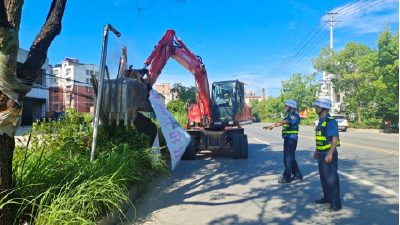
(55, 183)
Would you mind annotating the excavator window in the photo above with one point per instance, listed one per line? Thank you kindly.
(239, 99)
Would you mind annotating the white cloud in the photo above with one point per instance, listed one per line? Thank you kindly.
(370, 20)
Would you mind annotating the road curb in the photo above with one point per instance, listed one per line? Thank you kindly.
(116, 216)
(387, 131)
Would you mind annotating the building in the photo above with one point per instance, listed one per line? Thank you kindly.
(248, 98)
(250, 92)
(165, 90)
(71, 87)
(327, 91)
(36, 102)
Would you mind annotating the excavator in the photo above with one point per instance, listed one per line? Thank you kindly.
(213, 120)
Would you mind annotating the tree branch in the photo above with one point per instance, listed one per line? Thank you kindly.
(30, 70)
(10, 13)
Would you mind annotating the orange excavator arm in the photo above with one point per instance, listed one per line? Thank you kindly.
(171, 46)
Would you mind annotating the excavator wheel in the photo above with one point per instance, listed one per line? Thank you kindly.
(191, 150)
(236, 146)
(244, 147)
(184, 156)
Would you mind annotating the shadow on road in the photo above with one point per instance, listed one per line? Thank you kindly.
(247, 192)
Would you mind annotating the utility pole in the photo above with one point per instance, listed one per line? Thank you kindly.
(331, 14)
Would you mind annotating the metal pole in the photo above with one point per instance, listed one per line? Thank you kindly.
(100, 87)
(331, 14)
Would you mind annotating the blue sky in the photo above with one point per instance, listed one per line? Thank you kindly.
(252, 41)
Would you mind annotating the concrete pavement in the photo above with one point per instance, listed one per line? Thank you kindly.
(215, 189)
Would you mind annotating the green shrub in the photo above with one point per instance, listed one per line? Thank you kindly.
(55, 183)
(368, 124)
(272, 120)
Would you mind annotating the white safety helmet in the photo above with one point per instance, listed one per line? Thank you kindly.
(291, 103)
(324, 103)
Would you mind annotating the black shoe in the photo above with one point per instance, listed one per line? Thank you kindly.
(297, 179)
(284, 181)
(333, 209)
(322, 201)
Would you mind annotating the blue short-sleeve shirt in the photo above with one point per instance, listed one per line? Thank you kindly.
(294, 120)
(332, 129)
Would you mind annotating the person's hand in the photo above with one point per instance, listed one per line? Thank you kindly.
(328, 158)
(269, 127)
(315, 154)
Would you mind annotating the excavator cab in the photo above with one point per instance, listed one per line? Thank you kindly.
(227, 103)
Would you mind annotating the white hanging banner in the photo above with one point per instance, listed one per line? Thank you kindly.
(156, 148)
(176, 137)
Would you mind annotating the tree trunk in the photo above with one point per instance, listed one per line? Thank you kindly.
(358, 111)
(13, 90)
(7, 146)
(358, 104)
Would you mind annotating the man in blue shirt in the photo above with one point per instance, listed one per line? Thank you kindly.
(327, 139)
(290, 132)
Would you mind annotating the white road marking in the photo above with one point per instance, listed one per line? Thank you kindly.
(382, 139)
(365, 182)
(262, 141)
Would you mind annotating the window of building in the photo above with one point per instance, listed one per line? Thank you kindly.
(55, 72)
(337, 98)
(91, 72)
(55, 90)
(68, 79)
(88, 89)
(88, 80)
(88, 106)
(68, 88)
(55, 98)
(87, 72)
(88, 99)
(55, 106)
(68, 72)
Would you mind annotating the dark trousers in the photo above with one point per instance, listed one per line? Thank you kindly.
(330, 179)
(289, 153)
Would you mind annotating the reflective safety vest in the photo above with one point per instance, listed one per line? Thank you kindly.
(286, 129)
(320, 136)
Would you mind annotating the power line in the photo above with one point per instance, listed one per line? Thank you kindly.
(166, 5)
(349, 9)
(56, 89)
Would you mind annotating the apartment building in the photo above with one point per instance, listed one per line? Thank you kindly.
(36, 102)
(71, 86)
(327, 91)
(165, 90)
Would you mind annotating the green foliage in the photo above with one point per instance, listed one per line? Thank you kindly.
(368, 124)
(270, 108)
(55, 183)
(312, 115)
(369, 78)
(254, 107)
(177, 106)
(302, 89)
(185, 94)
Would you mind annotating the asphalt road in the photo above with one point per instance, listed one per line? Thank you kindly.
(216, 189)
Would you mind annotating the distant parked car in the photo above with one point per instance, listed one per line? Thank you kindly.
(340, 119)
(315, 124)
